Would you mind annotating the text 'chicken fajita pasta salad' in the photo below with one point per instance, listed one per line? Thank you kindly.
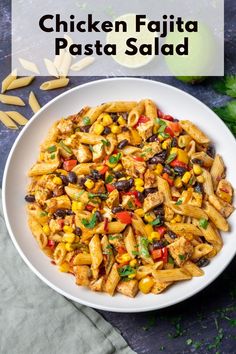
(128, 199)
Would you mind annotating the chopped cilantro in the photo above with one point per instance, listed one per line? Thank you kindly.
(66, 148)
(113, 159)
(164, 135)
(52, 148)
(130, 204)
(171, 157)
(86, 121)
(135, 253)
(115, 237)
(170, 260)
(43, 213)
(226, 86)
(157, 221)
(97, 195)
(126, 270)
(144, 247)
(105, 143)
(109, 179)
(52, 157)
(182, 257)
(203, 223)
(162, 125)
(91, 223)
(179, 202)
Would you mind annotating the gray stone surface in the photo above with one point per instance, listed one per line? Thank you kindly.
(207, 320)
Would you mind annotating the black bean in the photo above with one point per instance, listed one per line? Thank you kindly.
(175, 120)
(197, 161)
(124, 115)
(172, 234)
(64, 180)
(98, 216)
(123, 185)
(140, 196)
(198, 188)
(119, 174)
(149, 190)
(125, 129)
(158, 158)
(69, 212)
(117, 209)
(167, 169)
(60, 213)
(131, 182)
(30, 198)
(180, 170)
(85, 129)
(106, 131)
(152, 138)
(81, 181)
(203, 262)
(211, 151)
(174, 142)
(158, 244)
(122, 144)
(72, 177)
(78, 231)
(96, 176)
(159, 211)
(114, 116)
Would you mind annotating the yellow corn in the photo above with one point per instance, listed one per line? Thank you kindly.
(118, 167)
(145, 285)
(166, 144)
(139, 188)
(132, 276)
(62, 172)
(68, 247)
(57, 180)
(46, 229)
(200, 179)
(68, 237)
(155, 129)
(121, 120)
(77, 206)
(106, 120)
(182, 156)
(67, 228)
(115, 129)
(148, 228)
(189, 237)
(123, 258)
(133, 263)
(41, 156)
(159, 169)
(139, 212)
(136, 137)
(178, 218)
(197, 169)
(154, 235)
(148, 218)
(98, 129)
(186, 177)
(174, 150)
(178, 182)
(64, 267)
(138, 182)
(89, 184)
(225, 196)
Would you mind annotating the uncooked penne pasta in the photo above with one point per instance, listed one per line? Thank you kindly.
(21, 82)
(82, 64)
(17, 117)
(33, 102)
(29, 65)
(65, 65)
(194, 132)
(51, 68)
(7, 121)
(54, 84)
(58, 59)
(13, 100)
(8, 80)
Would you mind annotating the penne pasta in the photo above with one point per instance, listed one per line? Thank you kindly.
(150, 109)
(7, 121)
(8, 80)
(82, 64)
(51, 67)
(170, 275)
(194, 132)
(219, 221)
(189, 210)
(33, 102)
(54, 84)
(135, 113)
(217, 171)
(29, 65)
(21, 82)
(112, 280)
(120, 106)
(13, 100)
(17, 117)
(65, 65)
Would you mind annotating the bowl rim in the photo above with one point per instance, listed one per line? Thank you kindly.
(31, 266)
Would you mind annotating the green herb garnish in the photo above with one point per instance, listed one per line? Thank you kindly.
(179, 202)
(105, 143)
(91, 148)
(227, 86)
(162, 126)
(91, 223)
(114, 159)
(130, 204)
(203, 223)
(157, 221)
(171, 157)
(43, 213)
(170, 260)
(66, 148)
(228, 114)
(86, 121)
(182, 257)
(164, 135)
(109, 179)
(144, 247)
(52, 148)
(135, 253)
(52, 157)
(126, 270)
(97, 195)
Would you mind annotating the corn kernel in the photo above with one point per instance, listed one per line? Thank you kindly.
(200, 179)
(155, 129)
(121, 120)
(148, 228)
(178, 218)
(106, 120)
(77, 206)
(145, 285)
(132, 276)
(67, 228)
(138, 182)
(197, 169)
(68, 247)
(133, 263)
(182, 156)
(159, 169)
(89, 184)
(166, 144)
(139, 188)
(41, 156)
(154, 235)
(118, 167)
(136, 138)
(189, 237)
(64, 267)
(174, 150)
(123, 258)
(98, 129)
(148, 218)
(178, 182)
(46, 229)
(115, 129)
(68, 237)
(186, 177)
(139, 212)
(57, 180)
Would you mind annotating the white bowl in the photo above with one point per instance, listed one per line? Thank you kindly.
(25, 150)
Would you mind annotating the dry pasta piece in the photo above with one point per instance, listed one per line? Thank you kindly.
(14, 100)
(8, 80)
(7, 121)
(51, 68)
(58, 59)
(82, 64)
(194, 132)
(33, 102)
(54, 84)
(21, 82)
(65, 65)
(17, 117)
(29, 65)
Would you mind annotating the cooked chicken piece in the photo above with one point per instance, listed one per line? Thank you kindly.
(169, 213)
(128, 288)
(124, 136)
(83, 154)
(150, 179)
(82, 275)
(55, 226)
(99, 187)
(98, 152)
(223, 207)
(62, 202)
(113, 199)
(133, 167)
(225, 191)
(152, 200)
(181, 250)
(97, 285)
(150, 149)
(145, 129)
(65, 126)
(196, 199)
(128, 202)
(41, 195)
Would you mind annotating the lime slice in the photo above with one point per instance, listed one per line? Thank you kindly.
(120, 38)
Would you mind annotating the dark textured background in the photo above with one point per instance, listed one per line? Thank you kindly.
(206, 323)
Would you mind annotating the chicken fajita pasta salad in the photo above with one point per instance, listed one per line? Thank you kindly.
(128, 199)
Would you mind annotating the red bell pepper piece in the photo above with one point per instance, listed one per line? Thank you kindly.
(110, 187)
(136, 200)
(124, 217)
(121, 250)
(103, 170)
(169, 131)
(160, 229)
(89, 207)
(160, 114)
(164, 257)
(160, 254)
(177, 163)
(138, 158)
(51, 244)
(69, 165)
(168, 117)
(142, 119)
(60, 223)
(168, 179)
(156, 254)
(105, 224)
(175, 127)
